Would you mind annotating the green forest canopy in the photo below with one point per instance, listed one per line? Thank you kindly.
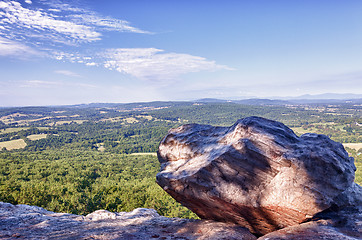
(85, 162)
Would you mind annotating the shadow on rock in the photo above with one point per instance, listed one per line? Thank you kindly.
(256, 173)
(29, 222)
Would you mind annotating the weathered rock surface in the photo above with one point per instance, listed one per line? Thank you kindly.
(30, 222)
(256, 173)
(342, 225)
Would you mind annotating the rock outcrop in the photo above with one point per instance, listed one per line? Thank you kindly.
(256, 173)
(30, 222)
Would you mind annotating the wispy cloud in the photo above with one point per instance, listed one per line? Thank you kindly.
(106, 23)
(52, 84)
(48, 25)
(12, 48)
(91, 18)
(67, 73)
(156, 64)
(25, 22)
(39, 84)
(56, 22)
(144, 63)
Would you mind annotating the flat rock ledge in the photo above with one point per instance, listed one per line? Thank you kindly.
(257, 173)
(31, 222)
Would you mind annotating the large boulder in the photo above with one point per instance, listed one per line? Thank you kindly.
(257, 173)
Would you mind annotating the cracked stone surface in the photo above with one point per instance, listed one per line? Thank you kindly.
(257, 173)
(31, 222)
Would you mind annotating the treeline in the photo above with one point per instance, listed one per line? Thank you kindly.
(80, 182)
(226, 114)
(141, 136)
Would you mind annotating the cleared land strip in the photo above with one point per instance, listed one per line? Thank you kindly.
(13, 144)
(35, 137)
(355, 146)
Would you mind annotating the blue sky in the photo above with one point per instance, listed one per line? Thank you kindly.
(56, 52)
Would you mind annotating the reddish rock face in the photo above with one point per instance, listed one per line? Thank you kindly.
(256, 173)
(345, 224)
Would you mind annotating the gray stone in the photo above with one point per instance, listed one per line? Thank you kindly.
(29, 222)
(256, 173)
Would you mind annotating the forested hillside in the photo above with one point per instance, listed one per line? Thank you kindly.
(102, 156)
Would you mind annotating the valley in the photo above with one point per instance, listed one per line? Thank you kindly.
(81, 158)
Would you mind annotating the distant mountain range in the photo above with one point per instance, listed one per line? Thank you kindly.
(327, 98)
(340, 96)
(321, 99)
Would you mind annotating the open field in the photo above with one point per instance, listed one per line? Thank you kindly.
(116, 119)
(27, 119)
(26, 122)
(316, 128)
(18, 129)
(131, 120)
(300, 131)
(148, 117)
(13, 144)
(11, 130)
(11, 117)
(355, 146)
(36, 137)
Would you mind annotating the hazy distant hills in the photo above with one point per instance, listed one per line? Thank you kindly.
(302, 100)
(327, 98)
(322, 99)
(340, 96)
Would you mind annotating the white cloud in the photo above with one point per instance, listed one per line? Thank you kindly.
(30, 21)
(68, 73)
(144, 63)
(106, 23)
(56, 22)
(28, 1)
(36, 84)
(39, 84)
(49, 24)
(11, 48)
(75, 58)
(155, 64)
(91, 18)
